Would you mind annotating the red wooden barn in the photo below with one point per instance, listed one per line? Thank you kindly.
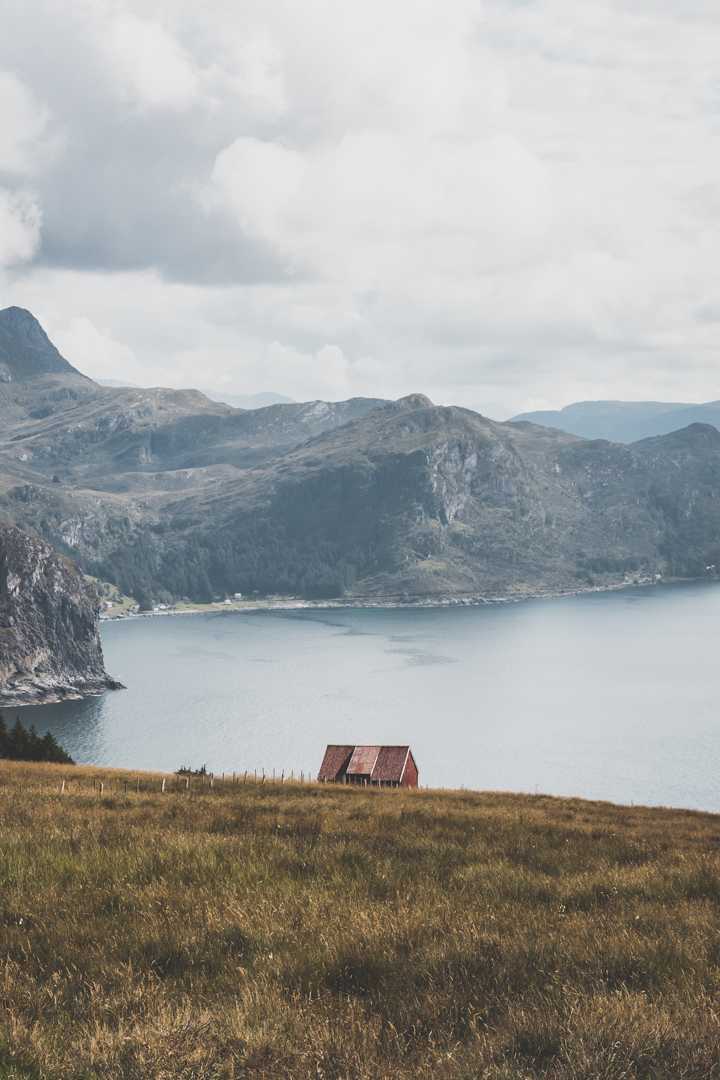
(385, 766)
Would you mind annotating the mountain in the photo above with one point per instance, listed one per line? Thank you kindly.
(49, 642)
(116, 383)
(25, 349)
(238, 401)
(249, 401)
(624, 421)
(165, 494)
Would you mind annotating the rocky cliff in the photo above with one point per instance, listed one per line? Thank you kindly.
(49, 641)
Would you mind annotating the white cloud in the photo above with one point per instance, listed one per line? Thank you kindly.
(487, 204)
(19, 227)
(150, 65)
(322, 375)
(378, 206)
(22, 124)
(254, 72)
(93, 351)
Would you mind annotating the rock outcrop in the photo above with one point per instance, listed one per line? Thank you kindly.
(49, 641)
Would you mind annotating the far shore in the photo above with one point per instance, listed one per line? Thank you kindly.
(250, 606)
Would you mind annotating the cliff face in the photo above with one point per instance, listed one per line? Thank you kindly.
(49, 641)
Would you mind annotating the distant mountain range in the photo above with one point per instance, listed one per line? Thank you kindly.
(238, 401)
(624, 421)
(166, 493)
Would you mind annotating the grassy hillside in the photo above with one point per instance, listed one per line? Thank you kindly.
(312, 931)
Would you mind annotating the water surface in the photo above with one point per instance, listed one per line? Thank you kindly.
(606, 695)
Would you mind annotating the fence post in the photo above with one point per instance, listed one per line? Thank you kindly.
(187, 782)
(138, 785)
(245, 777)
(162, 789)
(282, 778)
(102, 788)
(62, 788)
(211, 781)
(126, 787)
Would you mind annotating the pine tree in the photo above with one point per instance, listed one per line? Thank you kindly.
(22, 745)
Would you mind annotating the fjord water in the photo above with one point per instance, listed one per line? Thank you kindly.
(610, 695)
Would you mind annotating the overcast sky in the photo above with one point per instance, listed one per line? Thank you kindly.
(514, 201)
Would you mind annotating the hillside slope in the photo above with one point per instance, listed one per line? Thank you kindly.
(320, 932)
(415, 500)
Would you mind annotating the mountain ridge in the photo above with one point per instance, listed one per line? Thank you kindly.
(623, 421)
(166, 494)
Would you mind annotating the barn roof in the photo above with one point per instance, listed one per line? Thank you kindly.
(335, 760)
(363, 760)
(390, 763)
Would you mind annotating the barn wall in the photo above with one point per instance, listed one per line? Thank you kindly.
(410, 776)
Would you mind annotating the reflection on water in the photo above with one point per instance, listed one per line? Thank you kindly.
(608, 695)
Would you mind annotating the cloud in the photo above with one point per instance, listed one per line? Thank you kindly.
(494, 202)
(22, 124)
(19, 227)
(375, 207)
(93, 351)
(149, 64)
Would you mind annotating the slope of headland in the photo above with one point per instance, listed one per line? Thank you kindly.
(167, 495)
(49, 642)
(313, 931)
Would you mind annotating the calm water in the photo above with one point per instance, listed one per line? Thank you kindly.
(610, 695)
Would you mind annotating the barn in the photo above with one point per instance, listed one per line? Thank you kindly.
(384, 766)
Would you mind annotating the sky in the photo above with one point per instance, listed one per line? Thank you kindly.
(513, 201)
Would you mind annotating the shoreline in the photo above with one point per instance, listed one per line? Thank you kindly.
(351, 605)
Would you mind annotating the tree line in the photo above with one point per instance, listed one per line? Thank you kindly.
(21, 745)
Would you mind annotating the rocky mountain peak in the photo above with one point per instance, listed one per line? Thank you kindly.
(411, 401)
(25, 349)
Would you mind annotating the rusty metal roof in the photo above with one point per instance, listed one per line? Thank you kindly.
(390, 763)
(335, 761)
(363, 760)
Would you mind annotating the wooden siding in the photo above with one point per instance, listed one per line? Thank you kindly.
(410, 776)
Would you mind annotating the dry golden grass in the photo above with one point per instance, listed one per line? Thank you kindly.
(329, 932)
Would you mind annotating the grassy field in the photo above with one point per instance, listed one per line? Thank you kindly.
(327, 932)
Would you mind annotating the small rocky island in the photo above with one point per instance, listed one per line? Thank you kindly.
(49, 641)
